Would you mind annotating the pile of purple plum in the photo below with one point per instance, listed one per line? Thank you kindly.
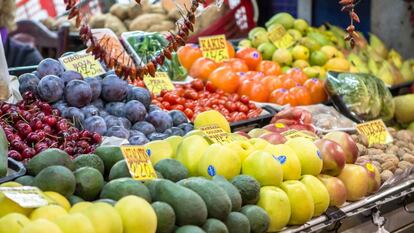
(106, 105)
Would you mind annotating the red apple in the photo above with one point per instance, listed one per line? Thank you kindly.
(374, 178)
(347, 143)
(273, 138)
(333, 156)
(336, 189)
(355, 178)
(276, 127)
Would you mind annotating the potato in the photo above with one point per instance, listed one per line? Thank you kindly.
(143, 22)
(164, 26)
(115, 24)
(120, 10)
(127, 23)
(174, 14)
(135, 10)
(98, 21)
(157, 8)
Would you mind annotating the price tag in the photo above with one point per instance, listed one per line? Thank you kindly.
(216, 134)
(25, 196)
(160, 82)
(375, 131)
(293, 133)
(83, 63)
(280, 38)
(214, 47)
(138, 162)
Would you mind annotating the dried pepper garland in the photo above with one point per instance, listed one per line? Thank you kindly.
(119, 60)
(349, 6)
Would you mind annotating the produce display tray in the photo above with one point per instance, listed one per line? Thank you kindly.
(257, 122)
(396, 192)
(15, 170)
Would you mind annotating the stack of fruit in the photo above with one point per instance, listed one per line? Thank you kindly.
(107, 106)
(247, 74)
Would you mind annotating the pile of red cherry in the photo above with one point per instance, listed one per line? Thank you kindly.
(32, 126)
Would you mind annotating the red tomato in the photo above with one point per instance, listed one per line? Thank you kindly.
(298, 75)
(282, 96)
(188, 54)
(272, 82)
(316, 89)
(255, 90)
(251, 56)
(202, 67)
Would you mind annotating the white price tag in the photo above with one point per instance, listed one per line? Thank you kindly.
(26, 196)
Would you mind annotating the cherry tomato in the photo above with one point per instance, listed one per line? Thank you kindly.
(178, 107)
(189, 113)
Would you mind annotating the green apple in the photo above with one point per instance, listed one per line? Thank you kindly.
(276, 203)
(311, 72)
(259, 38)
(267, 49)
(319, 193)
(301, 64)
(301, 202)
(273, 26)
(282, 18)
(318, 58)
(174, 142)
(310, 43)
(300, 52)
(355, 178)
(245, 43)
(189, 152)
(308, 154)
(263, 166)
(254, 31)
(286, 68)
(295, 34)
(300, 25)
(243, 148)
(282, 56)
(289, 160)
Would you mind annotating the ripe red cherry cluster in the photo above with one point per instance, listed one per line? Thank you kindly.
(197, 97)
(32, 126)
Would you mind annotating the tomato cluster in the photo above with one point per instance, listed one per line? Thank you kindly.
(245, 73)
(198, 97)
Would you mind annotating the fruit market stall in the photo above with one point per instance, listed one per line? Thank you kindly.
(291, 130)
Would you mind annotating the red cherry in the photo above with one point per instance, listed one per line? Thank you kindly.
(40, 146)
(28, 153)
(69, 150)
(15, 155)
(97, 138)
(50, 120)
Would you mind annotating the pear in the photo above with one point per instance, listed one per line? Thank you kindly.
(358, 63)
(310, 43)
(385, 73)
(404, 108)
(259, 38)
(395, 58)
(373, 66)
(378, 45)
(245, 43)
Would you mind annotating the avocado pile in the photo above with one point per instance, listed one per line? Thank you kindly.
(182, 204)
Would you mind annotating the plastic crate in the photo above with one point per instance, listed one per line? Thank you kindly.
(16, 169)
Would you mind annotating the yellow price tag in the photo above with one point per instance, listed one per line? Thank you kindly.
(216, 134)
(293, 133)
(280, 38)
(375, 131)
(83, 63)
(370, 167)
(214, 47)
(138, 162)
(25, 196)
(160, 82)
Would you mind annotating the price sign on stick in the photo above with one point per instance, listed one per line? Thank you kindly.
(293, 133)
(375, 131)
(160, 82)
(83, 63)
(138, 162)
(214, 47)
(26, 196)
(280, 38)
(216, 134)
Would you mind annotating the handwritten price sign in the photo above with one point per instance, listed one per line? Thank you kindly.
(280, 38)
(293, 133)
(214, 47)
(160, 82)
(216, 134)
(26, 196)
(375, 131)
(83, 63)
(138, 162)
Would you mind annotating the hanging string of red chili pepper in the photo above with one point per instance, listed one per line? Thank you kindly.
(349, 6)
(119, 60)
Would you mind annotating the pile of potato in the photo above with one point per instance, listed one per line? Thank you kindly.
(390, 159)
(159, 17)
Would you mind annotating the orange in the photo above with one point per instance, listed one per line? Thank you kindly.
(230, 49)
(224, 78)
(282, 96)
(188, 54)
(272, 82)
(298, 75)
(251, 56)
(316, 89)
(301, 95)
(269, 68)
(255, 90)
(202, 67)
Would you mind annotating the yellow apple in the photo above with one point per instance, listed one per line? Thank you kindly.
(242, 148)
(319, 193)
(289, 160)
(308, 154)
(276, 203)
(301, 202)
(264, 167)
